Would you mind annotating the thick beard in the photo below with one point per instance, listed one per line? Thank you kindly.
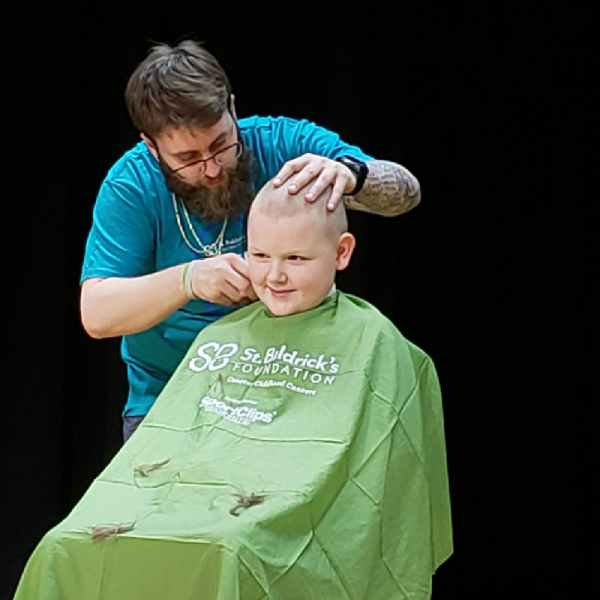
(228, 200)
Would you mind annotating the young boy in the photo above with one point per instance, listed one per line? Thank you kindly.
(294, 250)
(296, 453)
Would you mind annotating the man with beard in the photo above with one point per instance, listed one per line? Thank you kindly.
(164, 257)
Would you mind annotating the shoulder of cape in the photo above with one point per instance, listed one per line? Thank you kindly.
(361, 313)
(361, 310)
(350, 307)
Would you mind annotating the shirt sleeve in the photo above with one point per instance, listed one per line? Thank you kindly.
(276, 140)
(121, 242)
(301, 137)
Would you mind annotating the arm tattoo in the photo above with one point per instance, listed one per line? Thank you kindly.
(389, 190)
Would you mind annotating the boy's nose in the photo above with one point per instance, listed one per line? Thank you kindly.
(276, 274)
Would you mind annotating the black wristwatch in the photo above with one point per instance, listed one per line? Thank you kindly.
(360, 170)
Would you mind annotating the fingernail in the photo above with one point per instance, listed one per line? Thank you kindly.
(310, 196)
(292, 187)
(276, 181)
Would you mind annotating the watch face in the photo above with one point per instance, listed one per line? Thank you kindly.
(359, 168)
(352, 163)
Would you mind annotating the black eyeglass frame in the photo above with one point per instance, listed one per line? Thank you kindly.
(214, 157)
(238, 152)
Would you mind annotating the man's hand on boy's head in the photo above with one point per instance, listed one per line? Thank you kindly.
(323, 171)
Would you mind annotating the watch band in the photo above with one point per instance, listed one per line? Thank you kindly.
(360, 170)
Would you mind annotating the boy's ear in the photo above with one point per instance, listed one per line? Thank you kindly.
(345, 248)
(150, 145)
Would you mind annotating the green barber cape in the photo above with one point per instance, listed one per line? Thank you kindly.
(290, 458)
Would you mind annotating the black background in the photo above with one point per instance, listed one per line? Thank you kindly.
(480, 101)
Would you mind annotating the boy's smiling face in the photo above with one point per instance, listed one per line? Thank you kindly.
(293, 259)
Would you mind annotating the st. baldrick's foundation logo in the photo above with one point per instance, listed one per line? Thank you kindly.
(274, 361)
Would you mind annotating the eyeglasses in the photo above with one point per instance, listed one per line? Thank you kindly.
(222, 158)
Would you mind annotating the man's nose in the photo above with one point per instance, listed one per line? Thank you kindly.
(212, 169)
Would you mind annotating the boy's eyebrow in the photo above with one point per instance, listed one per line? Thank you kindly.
(287, 252)
(252, 248)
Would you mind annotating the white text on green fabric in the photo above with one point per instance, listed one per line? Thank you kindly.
(214, 356)
(281, 367)
(243, 415)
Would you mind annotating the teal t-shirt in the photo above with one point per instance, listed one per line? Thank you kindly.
(135, 232)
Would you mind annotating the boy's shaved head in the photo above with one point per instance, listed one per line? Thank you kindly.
(277, 203)
(295, 248)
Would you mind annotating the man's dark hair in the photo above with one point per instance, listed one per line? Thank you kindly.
(182, 85)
